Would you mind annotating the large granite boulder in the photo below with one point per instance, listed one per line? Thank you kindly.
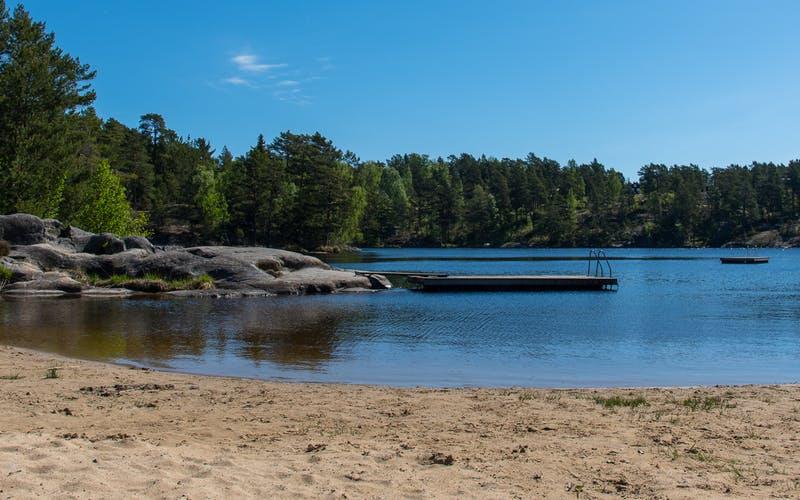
(47, 257)
(22, 229)
(49, 281)
(20, 270)
(77, 237)
(139, 242)
(53, 229)
(104, 244)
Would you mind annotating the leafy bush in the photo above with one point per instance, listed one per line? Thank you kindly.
(107, 209)
(5, 276)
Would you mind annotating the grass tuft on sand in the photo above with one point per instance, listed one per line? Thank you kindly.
(620, 401)
(707, 403)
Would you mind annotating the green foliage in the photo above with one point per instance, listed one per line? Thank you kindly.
(43, 91)
(707, 403)
(151, 282)
(5, 276)
(107, 209)
(301, 190)
(209, 198)
(321, 210)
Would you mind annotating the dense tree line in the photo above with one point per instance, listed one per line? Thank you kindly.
(58, 159)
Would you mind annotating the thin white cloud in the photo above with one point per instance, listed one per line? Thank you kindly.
(235, 80)
(287, 85)
(294, 96)
(250, 63)
(325, 63)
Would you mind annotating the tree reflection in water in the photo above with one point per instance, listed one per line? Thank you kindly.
(293, 332)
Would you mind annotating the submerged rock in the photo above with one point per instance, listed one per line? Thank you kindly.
(106, 292)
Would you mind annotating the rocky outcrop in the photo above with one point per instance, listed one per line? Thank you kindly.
(104, 244)
(50, 257)
(767, 239)
(49, 281)
(22, 229)
(134, 242)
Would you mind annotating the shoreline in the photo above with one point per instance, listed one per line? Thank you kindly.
(279, 380)
(108, 430)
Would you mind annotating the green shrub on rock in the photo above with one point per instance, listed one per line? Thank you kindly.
(107, 210)
(5, 276)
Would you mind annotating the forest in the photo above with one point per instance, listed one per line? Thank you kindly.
(59, 159)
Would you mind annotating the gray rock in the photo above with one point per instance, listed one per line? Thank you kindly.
(78, 237)
(104, 244)
(219, 293)
(48, 281)
(256, 255)
(45, 256)
(132, 242)
(53, 229)
(21, 271)
(379, 282)
(67, 244)
(22, 229)
(24, 292)
(106, 292)
(236, 271)
(315, 280)
(766, 239)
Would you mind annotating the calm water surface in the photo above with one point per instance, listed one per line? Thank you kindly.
(679, 318)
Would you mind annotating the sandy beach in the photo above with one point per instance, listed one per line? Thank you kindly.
(106, 431)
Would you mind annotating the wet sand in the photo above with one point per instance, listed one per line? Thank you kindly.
(108, 431)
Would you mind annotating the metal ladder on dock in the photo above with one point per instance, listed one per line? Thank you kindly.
(599, 259)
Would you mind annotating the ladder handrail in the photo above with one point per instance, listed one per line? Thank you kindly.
(598, 256)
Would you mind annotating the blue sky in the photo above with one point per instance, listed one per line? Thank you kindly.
(706, 82)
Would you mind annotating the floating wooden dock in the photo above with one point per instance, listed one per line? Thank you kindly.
(503, 282)
(744, 260)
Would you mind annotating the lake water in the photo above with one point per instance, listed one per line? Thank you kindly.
(679, 318)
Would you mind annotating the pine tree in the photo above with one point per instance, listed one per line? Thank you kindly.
(42, 92)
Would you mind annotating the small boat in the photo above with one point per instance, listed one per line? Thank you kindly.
(744, 260)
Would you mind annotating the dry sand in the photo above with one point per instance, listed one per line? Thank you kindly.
(101, 430)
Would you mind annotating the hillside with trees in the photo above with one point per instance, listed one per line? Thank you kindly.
(59, 159)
